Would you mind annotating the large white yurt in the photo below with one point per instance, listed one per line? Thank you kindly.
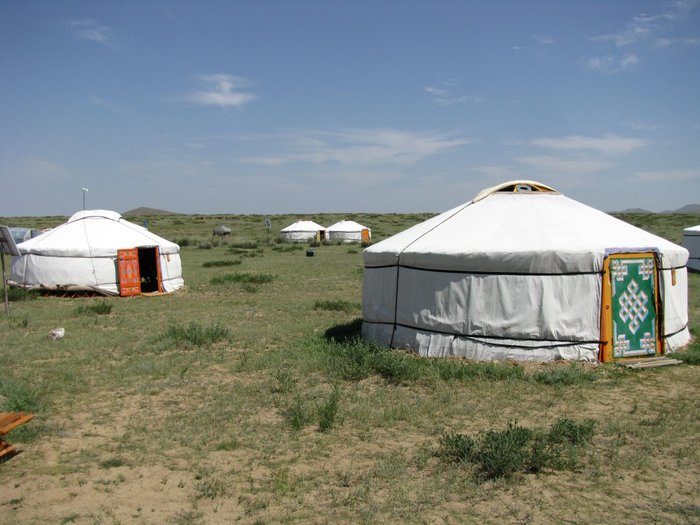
(301, 231)
(349, 231)
(691, 242)
(98, 251)
(523, 272)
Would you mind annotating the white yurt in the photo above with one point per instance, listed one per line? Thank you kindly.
(98, 251)
(523, 272)
(349, 231)
(691, 242)
(302, 231)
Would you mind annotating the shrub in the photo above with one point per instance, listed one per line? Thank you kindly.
(194, 334)
(20, 294)
(328, 411)
(217, 264)
(17, 396)
(336, 306)
(572, 375)
(244, 245)
(102, 308)
(297, 414)
(456, 448)
(503, 453)
(245, 277)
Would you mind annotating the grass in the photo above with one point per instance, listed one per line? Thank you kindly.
(221, 263)
(295, 419)
(101, 308)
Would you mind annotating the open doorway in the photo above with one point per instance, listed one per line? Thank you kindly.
(139, 270)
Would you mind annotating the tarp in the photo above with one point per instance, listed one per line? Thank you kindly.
(347, 231)
(510, 276)
(81, 254)
(691, 242)
(301, 231)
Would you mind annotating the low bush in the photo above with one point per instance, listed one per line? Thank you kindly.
(20, 294)
(574, 374)
(337, 306)
(194, 334)
(253, 278)
(518, 450)
(217, 264)
(328, 410)
(101, 308)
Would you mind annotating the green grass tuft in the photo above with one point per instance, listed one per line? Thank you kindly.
(217, 264)
(574, 374)
(337, 306)
(194, 334)
(101, 308)
(251, 278)
(328, 410)
(20, 294)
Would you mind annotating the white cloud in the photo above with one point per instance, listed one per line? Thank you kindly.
(560, 166)
(88, 29)
(642, 32)
(610, 64)
(544, 40)
(607, 145)
(358, 147)
(443, 96)
(223, 90)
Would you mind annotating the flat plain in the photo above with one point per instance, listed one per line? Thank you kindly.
(245, 398)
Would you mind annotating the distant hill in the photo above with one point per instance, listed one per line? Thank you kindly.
(635, 210)
(148, 211)
(693, 209)
(690, 208)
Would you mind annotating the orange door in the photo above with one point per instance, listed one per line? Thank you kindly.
(129, 276)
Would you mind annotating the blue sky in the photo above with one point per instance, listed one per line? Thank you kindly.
(317, 106)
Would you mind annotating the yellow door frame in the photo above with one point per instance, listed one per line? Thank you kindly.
(606, 329)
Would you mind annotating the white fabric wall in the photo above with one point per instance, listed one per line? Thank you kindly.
(691, 242)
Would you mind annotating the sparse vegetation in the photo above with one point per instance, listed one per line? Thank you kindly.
(297, 417)
(101, 308)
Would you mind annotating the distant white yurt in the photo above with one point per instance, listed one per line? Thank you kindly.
(349, 231)
(523, 272)
(98, 251)
(301, 231)
(691, 242)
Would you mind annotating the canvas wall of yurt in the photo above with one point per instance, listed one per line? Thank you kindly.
(691, 242)
(98, 251)
(302, 231)
(348, 231)
(523, 272)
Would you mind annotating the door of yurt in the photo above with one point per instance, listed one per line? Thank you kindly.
(139, 271)
(630, 325)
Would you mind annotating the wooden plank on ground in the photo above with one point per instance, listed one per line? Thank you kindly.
(10, 420)
(652, 363)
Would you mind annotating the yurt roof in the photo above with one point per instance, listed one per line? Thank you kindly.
(303, 226)
(346, 226)
(692, 230)
(519, 227)
(95, 233)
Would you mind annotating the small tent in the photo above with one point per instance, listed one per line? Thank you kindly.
(302, 231)
(349, 231)
(98, 251)
(691, 241)
(523, 272)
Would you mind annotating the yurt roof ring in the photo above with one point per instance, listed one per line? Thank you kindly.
(516, 186)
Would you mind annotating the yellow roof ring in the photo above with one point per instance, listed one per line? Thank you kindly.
(516, 186)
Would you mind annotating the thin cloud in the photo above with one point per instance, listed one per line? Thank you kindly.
(348, 147)
(443, 96)
(560, 166)
(544, 40)
(607, 145)
(609, 64)
(643, 31)
(90, 30)
(223, 91)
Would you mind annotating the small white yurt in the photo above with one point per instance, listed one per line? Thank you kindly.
(691, 242)
(302, 231)
(349, 231)
(98, 251)
(523, 272)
